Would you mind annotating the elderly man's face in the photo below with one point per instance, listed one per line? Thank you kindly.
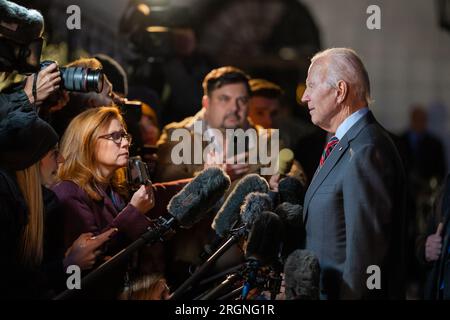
(227, 107)
(320, 96)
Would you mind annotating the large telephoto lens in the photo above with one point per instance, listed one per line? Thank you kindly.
(82, 79)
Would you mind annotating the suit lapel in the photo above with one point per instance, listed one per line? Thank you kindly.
(323, 172)
(333, 159)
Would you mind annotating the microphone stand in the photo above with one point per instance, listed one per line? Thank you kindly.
(225, 285)
(221, 274)
(152, 235)
(195, 277)
(249, 272)
(236, 292)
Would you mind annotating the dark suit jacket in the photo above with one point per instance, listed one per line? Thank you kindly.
(426, 160)
(438, 272)
(354, 212)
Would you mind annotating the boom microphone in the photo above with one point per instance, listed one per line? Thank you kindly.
(228, 214)
(199, 196)
(301, 276)
(254, 204)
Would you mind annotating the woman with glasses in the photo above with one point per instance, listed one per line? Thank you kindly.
(32, 265)
(92, 192)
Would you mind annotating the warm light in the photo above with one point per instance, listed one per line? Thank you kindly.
(287, 53)
(145, 9)
(157, 29)
(299, 92)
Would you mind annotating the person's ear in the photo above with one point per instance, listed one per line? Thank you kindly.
(341, 91)
(205, 102)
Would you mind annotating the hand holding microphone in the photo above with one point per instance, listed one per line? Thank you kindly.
(285, 161)
(143, 199)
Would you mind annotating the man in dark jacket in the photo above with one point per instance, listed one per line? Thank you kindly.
(433, 248)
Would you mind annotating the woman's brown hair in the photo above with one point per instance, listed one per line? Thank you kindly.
(78, 146)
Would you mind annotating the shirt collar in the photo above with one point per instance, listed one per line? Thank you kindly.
(350, 121)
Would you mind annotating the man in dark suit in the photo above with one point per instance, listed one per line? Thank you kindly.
(354, 206)
(425, 165)
(424, 153)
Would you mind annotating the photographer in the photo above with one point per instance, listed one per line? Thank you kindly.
(20, 49)
(32, 263)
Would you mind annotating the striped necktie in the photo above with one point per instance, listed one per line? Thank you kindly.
(329, 147)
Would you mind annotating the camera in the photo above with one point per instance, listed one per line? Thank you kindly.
(78, 78)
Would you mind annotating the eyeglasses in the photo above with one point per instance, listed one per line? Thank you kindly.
(117, 136)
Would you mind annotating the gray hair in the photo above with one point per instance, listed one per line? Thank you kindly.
(345, 64)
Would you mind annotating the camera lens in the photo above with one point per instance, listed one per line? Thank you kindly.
(82, 79)
(94, 80)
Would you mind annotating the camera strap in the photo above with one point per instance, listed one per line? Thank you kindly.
(34, 90)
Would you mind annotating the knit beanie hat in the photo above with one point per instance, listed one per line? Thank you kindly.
(20, 24)
(24, 139)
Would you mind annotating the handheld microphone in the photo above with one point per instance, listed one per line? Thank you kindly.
(302, 276)
(285, 161)
(293, 228)
(290, 189)
(264, 240)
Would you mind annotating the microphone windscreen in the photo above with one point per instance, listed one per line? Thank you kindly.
(291, 190)
(302, 276)
(228, 214)
(285, 161)
(264, 240)
(290, 213)
(293, 228)
(254, 204)
(194, 201)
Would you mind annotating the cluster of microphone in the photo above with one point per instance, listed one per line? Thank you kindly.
(267, 225)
